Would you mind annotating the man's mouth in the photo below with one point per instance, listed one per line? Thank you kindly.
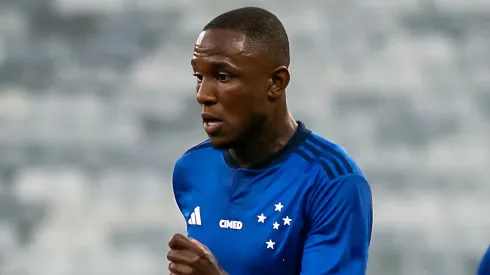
(211, 123)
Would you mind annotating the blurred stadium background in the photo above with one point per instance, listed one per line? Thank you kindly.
(97, 102)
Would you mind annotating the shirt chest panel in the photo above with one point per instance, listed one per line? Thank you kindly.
(265, 228)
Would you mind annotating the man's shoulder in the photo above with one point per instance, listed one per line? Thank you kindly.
(332, 159)
(200, 147)
(335, 178)
(199, 153)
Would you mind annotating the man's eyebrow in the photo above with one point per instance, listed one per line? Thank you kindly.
(220, 65)
(215, 65)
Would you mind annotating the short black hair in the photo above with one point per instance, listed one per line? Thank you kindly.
(263, 30)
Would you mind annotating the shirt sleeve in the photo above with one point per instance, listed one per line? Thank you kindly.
(179, 186)
(484, 268)
(339, 220)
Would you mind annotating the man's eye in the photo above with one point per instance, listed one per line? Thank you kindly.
(198, 76)
(223, 77)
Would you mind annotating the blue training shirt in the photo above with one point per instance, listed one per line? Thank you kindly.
(306, 210)
(484, 268)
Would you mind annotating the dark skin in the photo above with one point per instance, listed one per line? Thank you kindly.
(244, 88)
(187, 256)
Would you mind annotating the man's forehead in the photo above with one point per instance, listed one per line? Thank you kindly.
(230, 41)
(199, 39)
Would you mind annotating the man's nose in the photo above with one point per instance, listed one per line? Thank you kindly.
(205, 93)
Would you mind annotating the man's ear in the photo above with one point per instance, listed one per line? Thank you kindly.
(279, 82)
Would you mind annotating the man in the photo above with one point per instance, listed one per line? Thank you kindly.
(484, 268)
(264, 195)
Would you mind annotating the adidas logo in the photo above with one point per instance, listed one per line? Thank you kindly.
(195, 217)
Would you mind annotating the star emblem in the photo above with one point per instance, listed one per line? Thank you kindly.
(278, 207)
(287, 220)
(261, 218)
(276, 226)
(270, 244)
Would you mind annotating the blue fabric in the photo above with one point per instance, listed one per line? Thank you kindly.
(307, 210)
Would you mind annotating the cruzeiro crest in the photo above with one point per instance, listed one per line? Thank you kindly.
(275, 224)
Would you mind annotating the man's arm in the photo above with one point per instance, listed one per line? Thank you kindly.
(181, 187)
(178, 186)
(340, 224)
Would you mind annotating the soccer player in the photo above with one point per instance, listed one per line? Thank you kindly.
(484, 268)
(264, 195)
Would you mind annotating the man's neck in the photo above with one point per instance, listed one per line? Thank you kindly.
(264, 144)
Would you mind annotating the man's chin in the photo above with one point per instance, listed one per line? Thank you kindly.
(220, 142)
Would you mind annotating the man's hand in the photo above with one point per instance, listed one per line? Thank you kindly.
(189, 257)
